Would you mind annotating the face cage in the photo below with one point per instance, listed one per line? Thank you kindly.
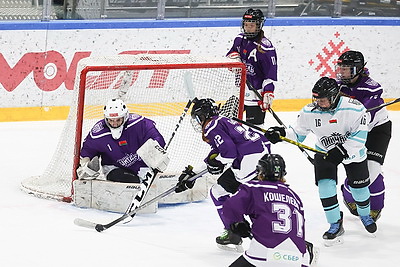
(353, 73)
(196, 124)
(259, 25)
(332, 101)
(125, 118)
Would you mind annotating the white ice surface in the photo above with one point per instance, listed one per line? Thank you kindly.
(40, 233)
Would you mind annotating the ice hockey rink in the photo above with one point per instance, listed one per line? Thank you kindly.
(40, 233)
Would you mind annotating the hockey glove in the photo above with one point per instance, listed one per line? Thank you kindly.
(183, 183)
(273, 134)
(337, 154)
(241, 228)
(234, 56)
(266, 102)
(88, 169)
(214, 166)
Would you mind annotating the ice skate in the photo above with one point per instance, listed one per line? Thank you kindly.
(313, 253)
(352, 207)
(369, 223)
(375, 214)
(334, 235)
(229, 241)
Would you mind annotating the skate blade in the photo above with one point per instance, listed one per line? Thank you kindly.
(314, 261)
(231, 247)
(334, 242)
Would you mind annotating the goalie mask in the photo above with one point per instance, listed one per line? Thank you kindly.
(115, 115)
(271, 167)
(252, 22)
(350, 64)
(203, 109)
(325, 94)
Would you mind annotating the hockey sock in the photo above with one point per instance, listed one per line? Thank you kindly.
(328, 196)
(346, 192)
(361, 197)
(219, 196)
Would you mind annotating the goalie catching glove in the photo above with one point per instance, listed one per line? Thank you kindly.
(154, 155)
(183, 183)
(88, 169)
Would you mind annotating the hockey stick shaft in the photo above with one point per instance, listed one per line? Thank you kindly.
(310, 159)
(166, 193)
(102, 227)
(384, 104)
(281, 137)
(185, 110)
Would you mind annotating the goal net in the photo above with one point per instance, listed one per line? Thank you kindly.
(152, 85)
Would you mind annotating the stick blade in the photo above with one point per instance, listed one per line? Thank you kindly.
(85, 223)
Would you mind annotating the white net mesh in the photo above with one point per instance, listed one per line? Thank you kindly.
(154, 86)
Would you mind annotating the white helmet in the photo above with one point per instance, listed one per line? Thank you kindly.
(116, 109)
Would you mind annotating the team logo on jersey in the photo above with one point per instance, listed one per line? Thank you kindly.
(333, 121)
(334, 138)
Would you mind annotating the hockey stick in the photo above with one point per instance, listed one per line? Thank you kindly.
(282, 137)
(310, 159)
(101, 227)
(384, 104)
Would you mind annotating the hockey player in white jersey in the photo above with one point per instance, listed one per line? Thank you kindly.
(340, 126)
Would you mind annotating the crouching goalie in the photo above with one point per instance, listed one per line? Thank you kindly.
(129, 146)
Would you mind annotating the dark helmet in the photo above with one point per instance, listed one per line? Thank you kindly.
(326, 87)
(271, 167)
(202, 110)
(253, 15)
(353, 60)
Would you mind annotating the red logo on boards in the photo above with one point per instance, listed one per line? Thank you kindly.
(50, 69)
(326, 60)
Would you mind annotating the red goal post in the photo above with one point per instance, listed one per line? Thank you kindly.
(156, 86)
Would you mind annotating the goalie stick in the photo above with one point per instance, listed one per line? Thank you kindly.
(101, 227)
(310, 159)
(384, 104)
(148, 181)
(281, 137)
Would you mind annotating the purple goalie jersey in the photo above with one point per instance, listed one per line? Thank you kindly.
(232, 141)
(260, 60)
(122, 152)
(275, 210)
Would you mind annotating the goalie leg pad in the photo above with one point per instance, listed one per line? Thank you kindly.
(110, 196)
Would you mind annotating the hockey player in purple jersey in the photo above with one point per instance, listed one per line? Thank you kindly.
(340, 126)
(277, 219)
(356, 83)
(234, 150)
(258, 54)
(116, 140)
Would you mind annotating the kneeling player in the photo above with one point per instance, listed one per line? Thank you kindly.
(277, 217)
